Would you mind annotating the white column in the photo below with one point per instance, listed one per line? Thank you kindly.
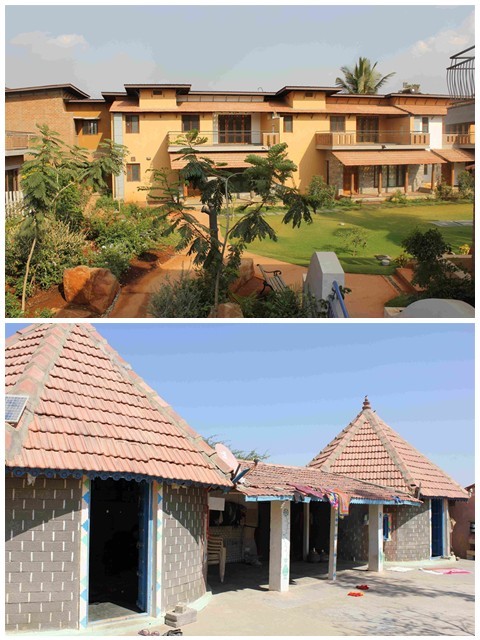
(306, 529)
(446, 528)
(375, 537)
(332, 557)
(279, 566)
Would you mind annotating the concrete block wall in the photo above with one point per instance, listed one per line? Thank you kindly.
(232, 540)
(353, 534)
(42, 548)
(410, 533)
(184, 547)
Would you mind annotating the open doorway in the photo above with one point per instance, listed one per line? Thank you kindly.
(119, 517)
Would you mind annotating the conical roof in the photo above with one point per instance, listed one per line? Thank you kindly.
(88, 411)
(368, 449)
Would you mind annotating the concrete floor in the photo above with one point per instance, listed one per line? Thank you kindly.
(414, 603)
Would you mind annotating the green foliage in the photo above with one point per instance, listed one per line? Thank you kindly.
(44, 313)
(444, 191)
(70, 206)
(363, 78)
(240, 454)
(187, 297)
(320, 194)
(398, 197)
(402, 260)
(298, 208)
(466, 184)
(464, 249)
(13, 308)
(115, 256)
(354, 238)
(282, 304)
(269, 172)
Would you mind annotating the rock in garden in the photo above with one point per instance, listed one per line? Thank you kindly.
(246, 272)
(227, 310)
(95, 287)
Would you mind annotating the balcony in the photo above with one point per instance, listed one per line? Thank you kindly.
(371, 139)
(466, 140)
(231, 139)
(17, 141)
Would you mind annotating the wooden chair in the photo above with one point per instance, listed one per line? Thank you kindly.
(217, 554)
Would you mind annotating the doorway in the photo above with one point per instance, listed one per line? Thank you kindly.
(437, 527)
(350, 180)
(118, 558)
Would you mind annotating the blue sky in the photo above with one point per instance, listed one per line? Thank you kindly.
(291, 388)
(230, 47)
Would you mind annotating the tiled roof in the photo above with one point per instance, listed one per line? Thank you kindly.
(368, 449)
(277, 480)
(89, 411)
(371, 158)
(424, 110)
(132, 106)
(361, 109)
(229, 160)
(456, 155)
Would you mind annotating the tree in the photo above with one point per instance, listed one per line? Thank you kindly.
(240, 454)
(364, 78)
(54, 169)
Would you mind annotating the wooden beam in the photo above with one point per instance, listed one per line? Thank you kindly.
(406, 179)
(432, 184)
(380, 180)
(306, 529)
(352, 182)
(332, 557)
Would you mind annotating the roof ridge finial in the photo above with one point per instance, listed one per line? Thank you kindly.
(366, 404)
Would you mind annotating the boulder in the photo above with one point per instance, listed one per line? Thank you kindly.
(95, 287)
(246, 272)
(227, 310)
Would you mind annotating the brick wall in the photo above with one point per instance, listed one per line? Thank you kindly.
(353, 534)
(410, 533)
(232, 540)
(42, 533)
(24, 111)
(185, 510)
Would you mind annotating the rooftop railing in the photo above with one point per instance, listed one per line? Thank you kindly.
(232, 138)
(351, 138)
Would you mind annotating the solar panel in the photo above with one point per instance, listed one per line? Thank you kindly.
(14, 406)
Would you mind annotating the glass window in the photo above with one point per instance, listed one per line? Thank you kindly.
(425, 124)
(133, 172)
(90, 127)
(337, 124)
(387, 526)
(287, 124)
(190, 122)
(132, 124)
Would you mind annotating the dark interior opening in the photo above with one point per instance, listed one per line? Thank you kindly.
(114, 550)
(320, 526)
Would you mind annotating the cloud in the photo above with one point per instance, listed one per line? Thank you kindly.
(47, 47)
(68, 40)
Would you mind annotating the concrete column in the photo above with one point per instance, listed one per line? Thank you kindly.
(446, 528)
(432, 186)
(306, 529)
(332, 557)
(406, 179)
(375, 537)
(279, 566)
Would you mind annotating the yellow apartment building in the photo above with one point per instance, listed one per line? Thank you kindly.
(364, 145)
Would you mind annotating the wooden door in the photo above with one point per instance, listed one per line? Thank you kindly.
(350, 179)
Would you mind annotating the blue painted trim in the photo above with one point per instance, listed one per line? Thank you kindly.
(104, 475)
(150, 551)
(313, 499)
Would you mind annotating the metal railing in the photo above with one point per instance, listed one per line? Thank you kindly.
(219, 137)
(336, 304)
(458, 139)
(18, 139)
(461, 74)
(350, 138)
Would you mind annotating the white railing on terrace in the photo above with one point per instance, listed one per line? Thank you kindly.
(226, 138)
(18, 139)
(13, 202)
(350, 138)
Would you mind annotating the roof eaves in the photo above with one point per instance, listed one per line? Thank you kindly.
(48, 87)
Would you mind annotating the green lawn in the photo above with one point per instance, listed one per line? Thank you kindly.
(387, 226)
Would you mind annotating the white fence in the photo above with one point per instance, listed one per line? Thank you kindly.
(13, 202)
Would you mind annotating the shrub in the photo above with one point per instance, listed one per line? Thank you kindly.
(464, 249)
(187, 297)
(466, 184)
(402, 260)
(320, 194)
(115, 256)
(13, 308)
(70, 207)
(354, 238)
(398, 197)
(443, 191)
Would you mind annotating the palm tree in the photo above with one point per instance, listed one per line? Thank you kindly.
(363, 79)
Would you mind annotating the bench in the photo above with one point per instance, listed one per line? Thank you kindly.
(217, 554)
(275, 281)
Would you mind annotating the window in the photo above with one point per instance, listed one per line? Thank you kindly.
(190, 122)
(425, 169)
(133, 172)
(395, 176)
(90, 127)
(132, 124)
(367, 129)
(287, 124)
(11, 180)
(387, 526)
(157, 92)
(425, 124)
(308, 94)
(337, 124)
(235, 129)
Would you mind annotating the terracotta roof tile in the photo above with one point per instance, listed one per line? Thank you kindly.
(456, 155)
(90, 413)
(230, 160)
(368, 449)
(387, 157)
(362, 109)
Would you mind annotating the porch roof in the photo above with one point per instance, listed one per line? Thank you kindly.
(363, 109)
(386, 157)
(88, 411)
(235, 160)
(132, 106)
(275, 481)
(456, 155)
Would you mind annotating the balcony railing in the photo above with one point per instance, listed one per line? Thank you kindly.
(18, 140)
(228, 138)
(458, 139)
(351, 138)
